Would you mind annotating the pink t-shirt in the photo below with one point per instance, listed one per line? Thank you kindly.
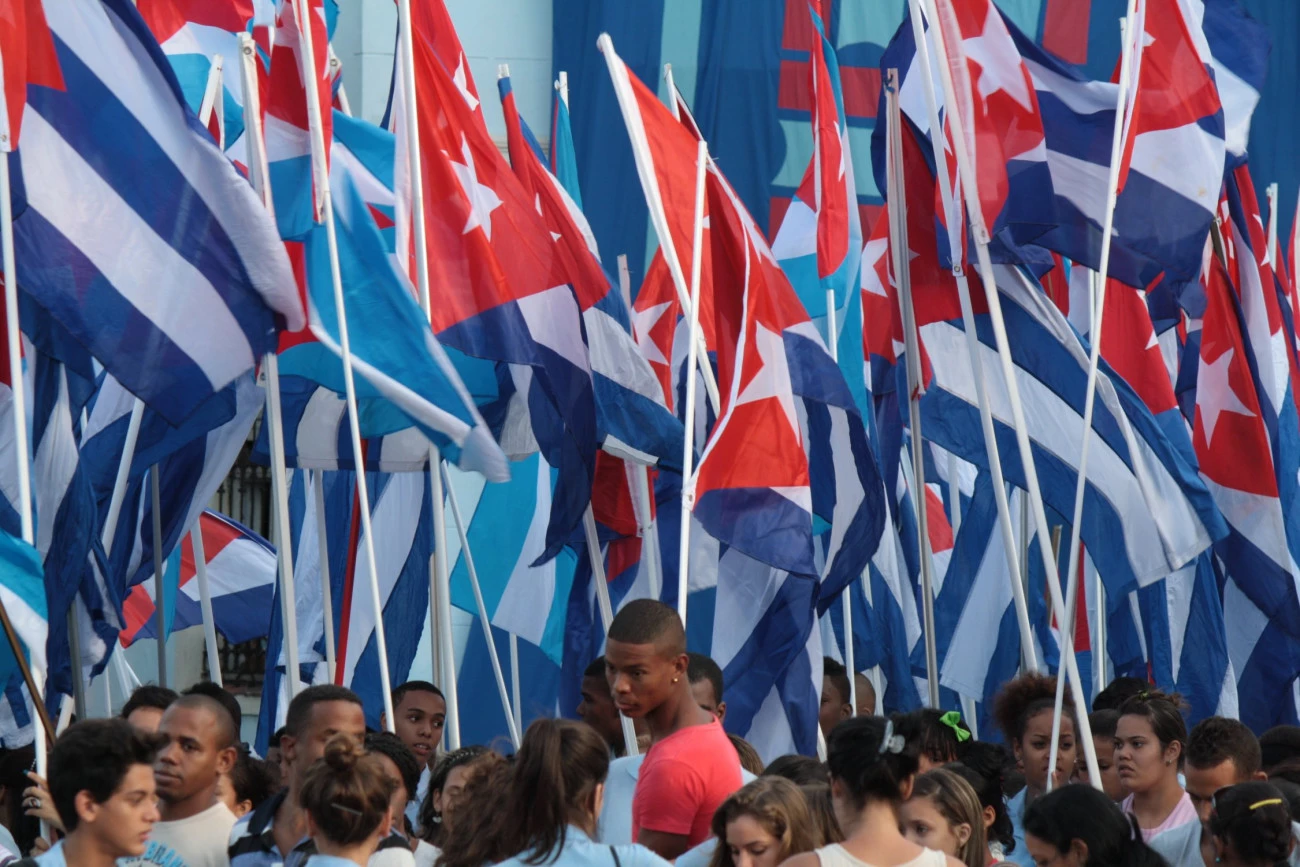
(684, 779)
(1183, 813)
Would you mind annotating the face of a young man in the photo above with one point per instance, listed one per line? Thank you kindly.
(328, 719)
(642, 676)
(122, 824)
(194, 757)
(418, 721)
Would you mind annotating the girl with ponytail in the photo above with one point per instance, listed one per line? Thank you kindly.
(543, 808)
(1251, 826)
(1078, 826)
(872, 764)
(346, 796)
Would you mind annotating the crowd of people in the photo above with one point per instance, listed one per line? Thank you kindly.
(168, 782)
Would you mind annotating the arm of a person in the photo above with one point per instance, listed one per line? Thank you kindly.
(665, 845)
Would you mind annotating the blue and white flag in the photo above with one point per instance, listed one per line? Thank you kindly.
(139, 236)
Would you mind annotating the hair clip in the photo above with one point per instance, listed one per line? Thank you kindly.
(890, 742)
(1264, 803)
(351, 810)
(952, 719)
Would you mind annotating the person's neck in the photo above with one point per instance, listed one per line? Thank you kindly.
(678, 712)
(357, 853)
(1155, 804)
(174, 811)
(1032, 793)
(290, 813)
(877, 824)
(81, 848)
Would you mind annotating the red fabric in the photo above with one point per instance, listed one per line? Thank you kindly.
(684, 779)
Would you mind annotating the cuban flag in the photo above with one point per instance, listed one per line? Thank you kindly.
(1173, 161)
(819, 244)
(632, 420)
(241, 574)
(27, 56)
(229, 284)
(193, 32)
(1240, 47)
(501, 292)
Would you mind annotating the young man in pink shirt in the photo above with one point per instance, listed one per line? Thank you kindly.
(691, 766)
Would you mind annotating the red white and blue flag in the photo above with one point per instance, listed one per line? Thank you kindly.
(27, 57)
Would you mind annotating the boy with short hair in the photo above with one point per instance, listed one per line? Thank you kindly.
(102, 785)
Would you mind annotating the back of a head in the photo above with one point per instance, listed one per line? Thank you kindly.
(300, 709)
(1120, 690)
(149, 695)
(957, 802)
(1279, 744)
(982, 770)
(939, 738)
(95, 756)
(1080, 812)
(557, 769)
(749, 757)
(873, 757)
(227, 701)
(1290, 790)
(1215, 740)
(346, 793)
(821, 806)
(595, 668)
(1023, 698)
(700, 667)
(800, 770)
(390, 746)
(779, 807)
(253, 779)
(838, 675)
(1254, 820)
(648, 621)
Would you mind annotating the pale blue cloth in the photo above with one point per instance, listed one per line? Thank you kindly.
(319, 860)
(615, 822)
(1181, 846)
(1016, 813)
(700, 856)
(53, 857)
(579, 850)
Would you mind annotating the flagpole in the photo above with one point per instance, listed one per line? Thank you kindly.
(692, 359)
(155, 499)
(326, 589)
(321, 176)
(212, 100)
(900, 252)
(35, 679)
(970, 189)
(952, 217)
(1270, 192)
(1094, 358)
(260, 177)
(599, 578)
(439, 581)
(205, 602)
(486, 622)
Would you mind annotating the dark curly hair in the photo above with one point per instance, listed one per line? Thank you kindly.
(1254, 819)
(981, 766)
(1024, 698)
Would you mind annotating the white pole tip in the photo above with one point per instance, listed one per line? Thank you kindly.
(604, 43)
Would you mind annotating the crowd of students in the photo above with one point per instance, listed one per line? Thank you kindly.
(168, 782)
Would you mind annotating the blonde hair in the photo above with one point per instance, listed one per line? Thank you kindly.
(957, 802)
(779, 807)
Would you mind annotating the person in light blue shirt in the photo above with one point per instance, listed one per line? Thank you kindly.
(543, 808)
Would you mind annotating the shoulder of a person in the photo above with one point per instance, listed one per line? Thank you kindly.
(803, 859)
(392, 857)
(636, 855)
(950, 861)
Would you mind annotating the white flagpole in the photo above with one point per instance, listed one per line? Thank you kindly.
(625, 281)
(952, 217)
(123, 474)
(205, 602)
(1094, 359)
(1270, 192)
(36, 674)
(484, 620)
(323, 546)
(156, 503)
(321, 175)
(598, 577)
(688, 450)
(213, 100)
(898, 247)
(516, 699)
(970, 189)
(260, 177)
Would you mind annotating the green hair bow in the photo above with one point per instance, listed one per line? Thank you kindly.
(952, 719)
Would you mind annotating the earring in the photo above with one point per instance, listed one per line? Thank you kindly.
(1169, 761)
(675, 679)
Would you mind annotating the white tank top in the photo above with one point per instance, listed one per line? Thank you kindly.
(836, 855)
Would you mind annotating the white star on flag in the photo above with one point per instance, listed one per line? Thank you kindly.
(773, 379)
(644, 322)
(462, 83)
(1215, 394)
(483, 200)
(1000, 67)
